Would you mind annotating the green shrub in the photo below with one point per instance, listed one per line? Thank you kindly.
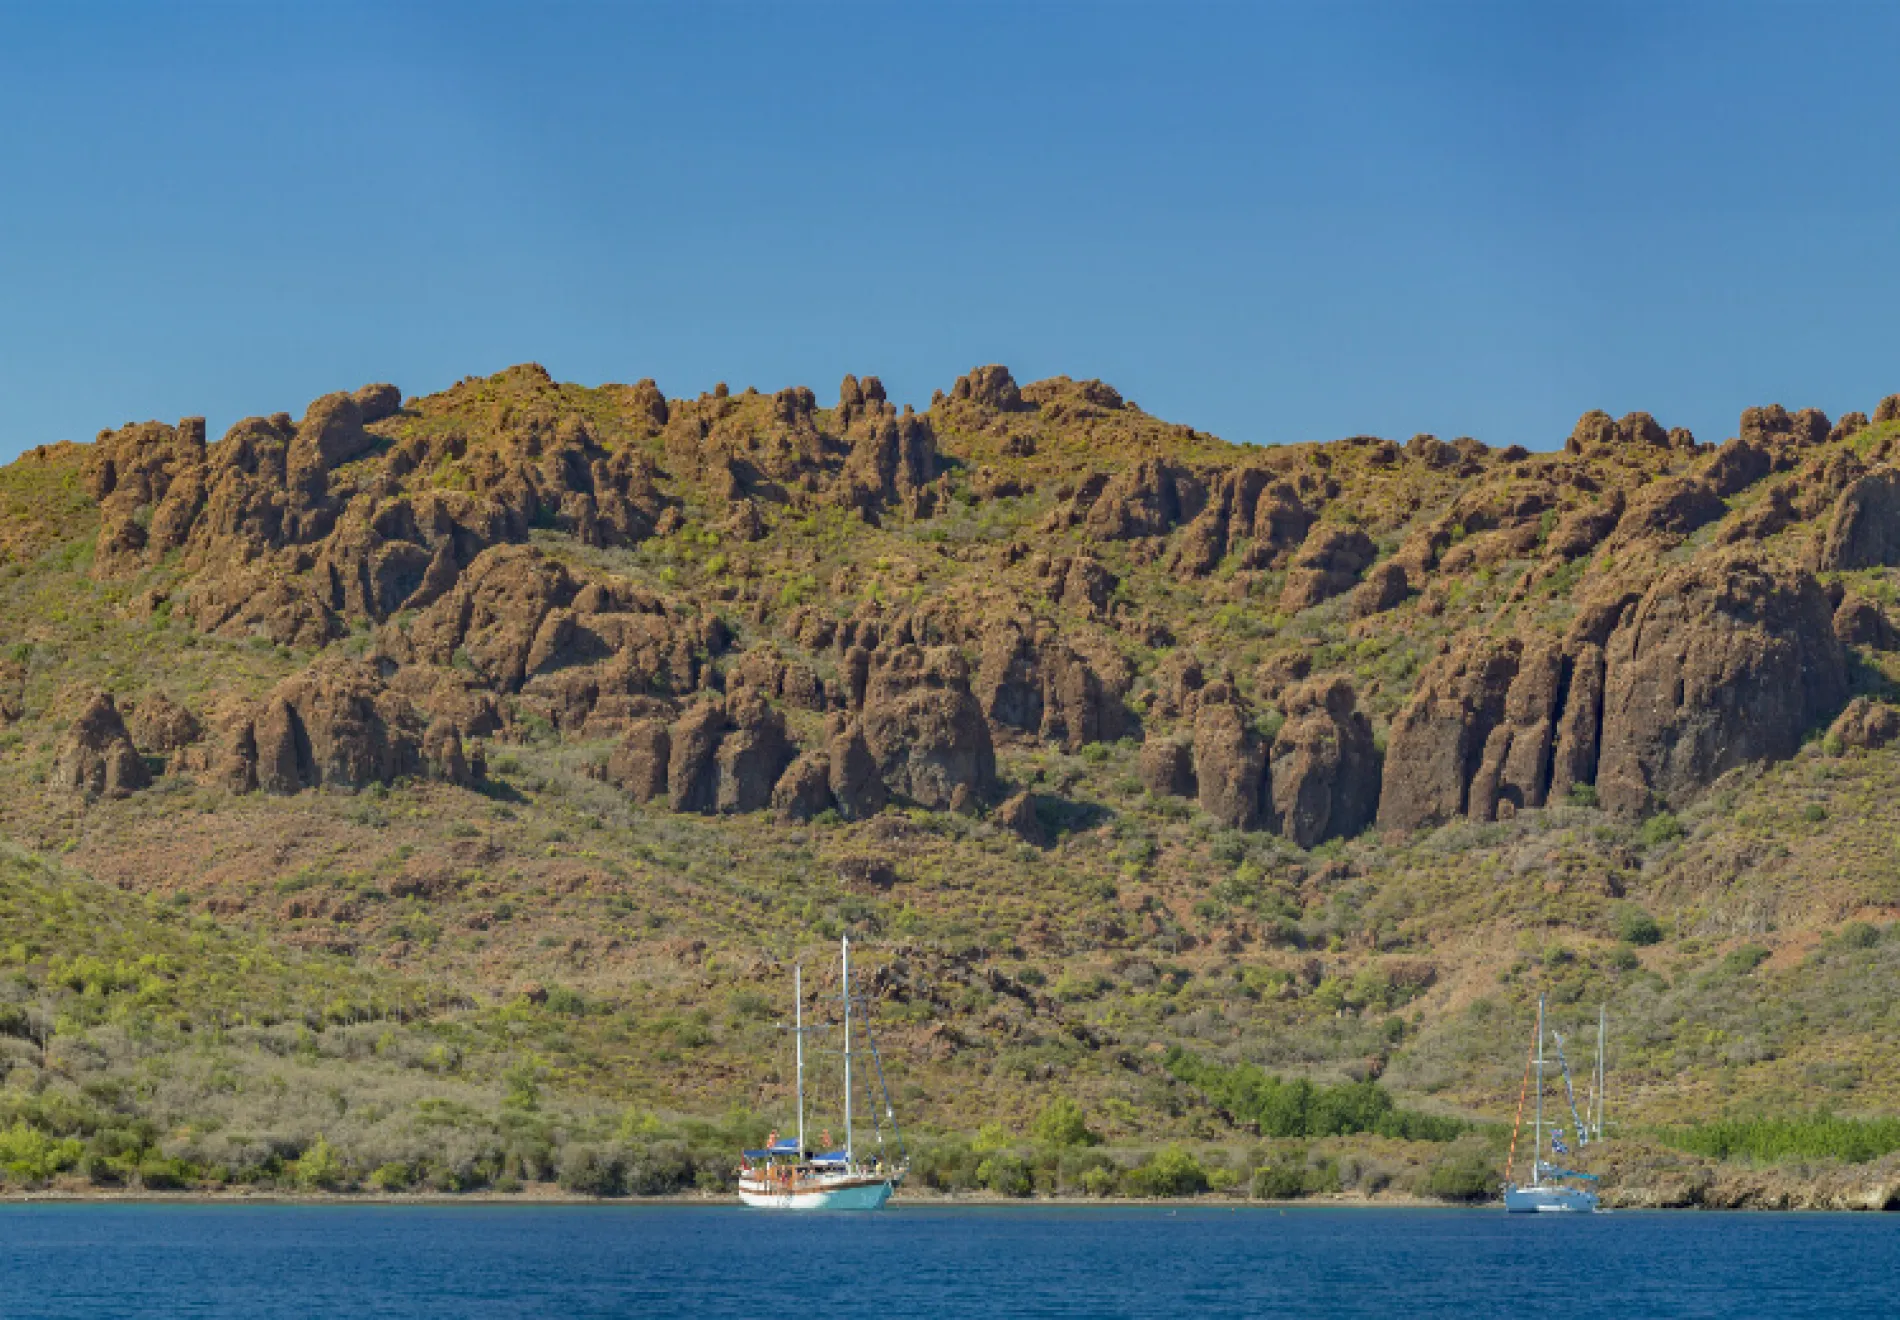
(1742, 961)
(1282, 1181)
(588, 1171)
(1463, 1175)
(1859, 935)
(1661, 828)
(318, 1168)
(1062, 1123)
(1005, 1174)
(1172, 1172)
(1635, 926)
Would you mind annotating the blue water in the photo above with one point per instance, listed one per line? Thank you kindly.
(490, 1261)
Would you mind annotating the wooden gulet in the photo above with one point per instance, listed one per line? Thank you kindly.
(788, 1175)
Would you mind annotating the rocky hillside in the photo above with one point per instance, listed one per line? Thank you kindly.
(1106, 735)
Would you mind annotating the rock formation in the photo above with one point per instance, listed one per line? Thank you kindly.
(95, 757)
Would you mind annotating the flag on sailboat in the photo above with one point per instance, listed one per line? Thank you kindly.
(1557, 1143)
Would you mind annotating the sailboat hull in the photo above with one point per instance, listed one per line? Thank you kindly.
(1549, 1200)
(848, 1193)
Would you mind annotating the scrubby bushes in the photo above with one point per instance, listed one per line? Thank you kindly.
(1300, 1108)
(1799, 1136)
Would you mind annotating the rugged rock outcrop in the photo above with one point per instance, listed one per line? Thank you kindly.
(989, 387)
(1864, 726)
(95, 757)
(1030, 678)
(1167, 767)
(1860, 622)
(12, 691)
(925, 730)
(639, 762)
(1018, 815)
(804, 790)
(336, 724)
(752, 755)
(160, 725)
(1722, 662)
(1323, 770)
(1865, 529)
(1438, 740)
(1230, 766)
(857, 786)
(1328, 565)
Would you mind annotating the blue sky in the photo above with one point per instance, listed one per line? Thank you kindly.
(1271, 222)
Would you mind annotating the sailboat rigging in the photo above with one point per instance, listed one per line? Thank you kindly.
(789, 1175)
(1553, 1188)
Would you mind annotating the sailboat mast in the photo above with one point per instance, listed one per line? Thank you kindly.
(1537, 1149)
(798, 1037)
(846, 956)
(1603, 1018)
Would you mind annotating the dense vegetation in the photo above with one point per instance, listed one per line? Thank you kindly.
(1820, 1136)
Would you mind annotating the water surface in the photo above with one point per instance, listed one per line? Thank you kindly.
(270, 1261)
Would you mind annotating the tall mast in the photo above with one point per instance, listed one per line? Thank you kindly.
(798, 1038)
(1603, 1076)
(846, 946)
(1537, 1150)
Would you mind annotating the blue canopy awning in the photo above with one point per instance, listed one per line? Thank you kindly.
(1553, 1171)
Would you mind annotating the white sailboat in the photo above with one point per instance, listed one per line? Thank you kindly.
(788, 1175)
(1553, 1188)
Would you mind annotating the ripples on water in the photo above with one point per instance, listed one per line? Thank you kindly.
(73, 1260)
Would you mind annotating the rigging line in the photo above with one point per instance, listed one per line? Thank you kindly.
(1570, 1096)
(1518, 1124)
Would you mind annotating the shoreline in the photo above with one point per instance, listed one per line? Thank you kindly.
(554, 1198)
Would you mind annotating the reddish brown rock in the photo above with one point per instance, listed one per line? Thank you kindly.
(1860, 622)
(1387, 586)
(1864, 531)
(925, 730)
(1328, 565)
(1774, 426)
(989, 387)
(692, 770)
(1579, 728)
(95, 757)
(1167, 767)
(161, 726)
(1323, 775)
(1018, 815)
(12, 691)
(445, 759)
(1864, 726)
(1229, 766)
(1581, 530)
(1739, 464)
(1150, 498)
(1438, 740)
(857, 787)
(804, 790)
(1722, 662)
(639, 762)
(1515, 766)
(1668, 510)
(752, 755)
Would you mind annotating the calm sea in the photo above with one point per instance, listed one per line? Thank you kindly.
(620, 1260)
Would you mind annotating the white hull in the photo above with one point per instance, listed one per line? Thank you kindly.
(1549, 1200)
(856, 1193)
